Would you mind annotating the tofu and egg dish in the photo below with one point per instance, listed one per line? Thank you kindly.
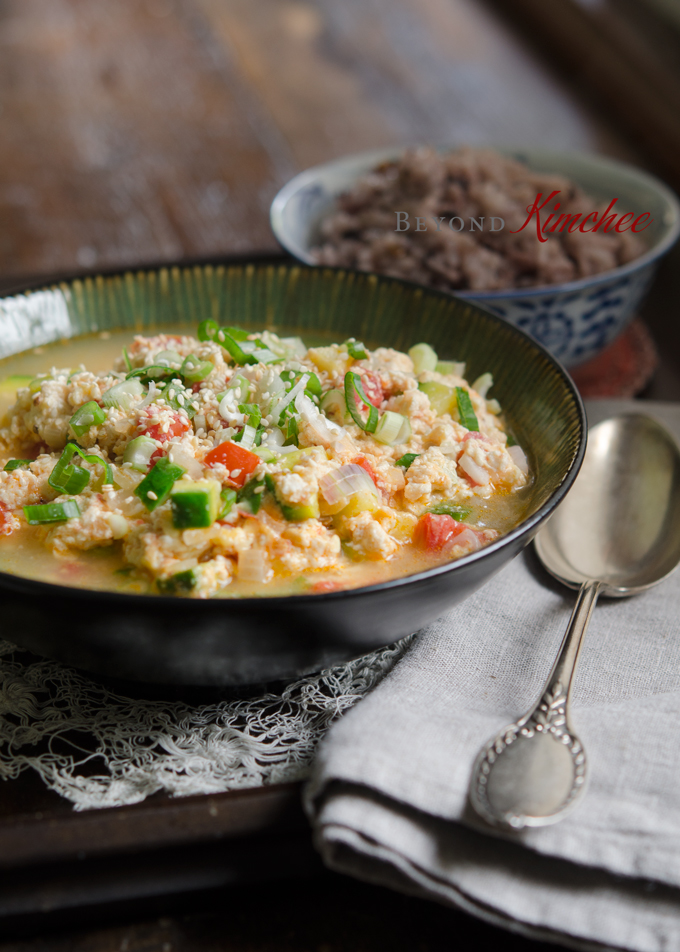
(241, 464)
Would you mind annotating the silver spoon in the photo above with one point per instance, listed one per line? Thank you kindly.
(617, 533)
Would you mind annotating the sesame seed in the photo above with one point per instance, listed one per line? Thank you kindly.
(180, 400)
(152, 495)
(258, 489)
(235, 473)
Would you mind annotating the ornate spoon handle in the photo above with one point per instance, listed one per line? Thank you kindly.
(533, 771)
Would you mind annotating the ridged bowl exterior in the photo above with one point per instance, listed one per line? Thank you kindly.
(252, 640)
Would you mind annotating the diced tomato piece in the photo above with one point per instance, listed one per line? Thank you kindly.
(233, 457)
(436, 533)
(178, 425)
(372, 388)
(363, 462)
(327, 585)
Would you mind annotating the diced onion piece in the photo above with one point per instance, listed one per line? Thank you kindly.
(229, 410)
(265, 356)
(138, 453)
(253, 565)
(483, 384)
(281, 404)
(474, 470)
(294, 346)
(338, 486)
(519, 458)
(154, 394)
(182, 457)
(123, 394)
(423, 357)
(248, 438)
(390, 426)
(334, 406)
(167, 358)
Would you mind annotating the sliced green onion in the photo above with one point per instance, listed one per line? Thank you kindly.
(392, 428)
(155, 372)
(90, 414)
(423, 357)
(70, 479)
(251, 494)
(334, 406)
(155, 488)
(195, 503)
(465, 410)
(36, 384)
(252, 413)
(354, 386)
(175, 395)
(312, 387)
(483, 384)
(280, 405)
(291, 432)
(126, 358)
(448, 509)
(13, 464)
(51, 512)
(511, 441)
(180, 582)
(406, 459)
(356, 349)
(237, 354)
(139, 451)
(227, 500)
(248, 434)
(207, 330)
(236, 332)
(194, 370)
(122, 395)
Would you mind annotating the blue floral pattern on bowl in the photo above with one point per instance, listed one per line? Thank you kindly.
(577, 326)
(575, 321)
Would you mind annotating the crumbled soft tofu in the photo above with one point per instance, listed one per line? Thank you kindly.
(369, 538)
(251, 543)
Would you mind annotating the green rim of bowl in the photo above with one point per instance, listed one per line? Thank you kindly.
(541, 403)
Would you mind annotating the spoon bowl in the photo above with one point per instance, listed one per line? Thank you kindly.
(617, 533)
(620, 523)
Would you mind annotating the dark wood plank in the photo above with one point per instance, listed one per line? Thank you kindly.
(39, 831)
(126, 137)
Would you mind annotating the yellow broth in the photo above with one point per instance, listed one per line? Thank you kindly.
(104, 568)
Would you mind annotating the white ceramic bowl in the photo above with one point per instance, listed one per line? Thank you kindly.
(576, 320)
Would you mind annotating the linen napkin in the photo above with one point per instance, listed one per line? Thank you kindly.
(389, 793)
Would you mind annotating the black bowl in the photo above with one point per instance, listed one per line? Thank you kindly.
(252, 640)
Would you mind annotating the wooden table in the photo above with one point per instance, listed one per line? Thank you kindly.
(155, 130)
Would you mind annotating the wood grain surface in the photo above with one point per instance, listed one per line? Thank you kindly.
(148, 130)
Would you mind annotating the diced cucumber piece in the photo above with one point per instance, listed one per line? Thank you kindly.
(423, 357)
(442, 398)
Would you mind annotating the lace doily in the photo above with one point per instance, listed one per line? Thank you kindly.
(98, 748)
